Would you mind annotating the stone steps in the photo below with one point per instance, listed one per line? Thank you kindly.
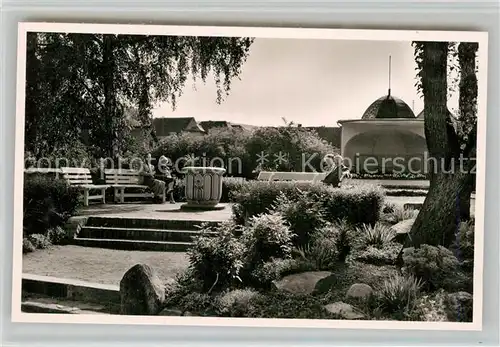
(141, 234)
(133, 245)
(147, 223)
(118, 233)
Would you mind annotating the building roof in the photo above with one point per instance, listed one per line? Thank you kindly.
(167, 125)
(388, 106)
(209, 124)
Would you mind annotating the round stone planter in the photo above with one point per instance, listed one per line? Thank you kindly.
(203, 187)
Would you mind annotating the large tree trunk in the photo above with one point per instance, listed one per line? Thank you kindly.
(32, 94)
(110, 105)
(437, 221)
(468, 110)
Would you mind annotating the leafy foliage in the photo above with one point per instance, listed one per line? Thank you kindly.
(28, 246)
(236, 303)
(48, 203)
(358, 205)
(385, 255)
(267, 237)
(39, 241)
(399, 295)
(463, 244)
(302, 146)
(216, 260)
(57, 236)
(377, 235)
(437, 266)
(304, 213)
(71, 78)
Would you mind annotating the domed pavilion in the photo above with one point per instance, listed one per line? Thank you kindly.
(388, 138)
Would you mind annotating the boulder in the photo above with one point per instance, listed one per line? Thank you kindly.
(343, 310)
(458, 307)
(141, 291)
(359, 291)
(402, 229)
(301, 283)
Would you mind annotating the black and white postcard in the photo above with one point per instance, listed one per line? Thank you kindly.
(239, 176)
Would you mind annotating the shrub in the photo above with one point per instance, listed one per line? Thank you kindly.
(463, 244)
(57, 236)
(216, 261)
(28, 247)
(265, 238)
(437, 266)
(224, 143)
(400, 214)
(358, 205)
(296, 142)
(386, 255)
(431, 307)
(328, 246)
(39, 241)
(236, 303)
(399, 295)
(377, 235)
(275, 269)
(304, 214)
(48, 203)
(196, 303)
(388, 208)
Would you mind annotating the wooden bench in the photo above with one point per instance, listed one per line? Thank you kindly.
(81, 178)
(271, 176)
(122, 179)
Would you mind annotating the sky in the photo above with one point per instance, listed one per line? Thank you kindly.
(309, 82)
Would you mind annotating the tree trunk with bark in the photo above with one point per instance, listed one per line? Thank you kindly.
(442, 211)
(467, 104)
(110, 104)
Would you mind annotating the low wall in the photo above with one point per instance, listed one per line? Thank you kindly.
(71, 289)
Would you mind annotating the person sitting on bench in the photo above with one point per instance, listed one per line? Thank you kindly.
(155, 185)
(337, 173)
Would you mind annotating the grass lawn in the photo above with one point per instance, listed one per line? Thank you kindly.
(99, 265)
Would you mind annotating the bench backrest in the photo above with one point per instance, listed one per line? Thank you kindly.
(77, 175)
(123, 176)
(291, 176)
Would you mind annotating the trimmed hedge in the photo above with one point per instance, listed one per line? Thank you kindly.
(359, 205)
(48, 203)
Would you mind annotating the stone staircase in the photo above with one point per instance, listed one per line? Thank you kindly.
(138, 233)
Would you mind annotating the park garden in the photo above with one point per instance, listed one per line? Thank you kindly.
(288, 249)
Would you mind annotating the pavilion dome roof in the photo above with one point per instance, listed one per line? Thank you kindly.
(388, 106)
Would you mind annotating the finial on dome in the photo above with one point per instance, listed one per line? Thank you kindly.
(389, 91)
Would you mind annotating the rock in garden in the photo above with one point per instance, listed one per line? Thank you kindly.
(402, 229)
(141, 291)
(301, 283)
(359, 291)
(458, 307)
(343, 310)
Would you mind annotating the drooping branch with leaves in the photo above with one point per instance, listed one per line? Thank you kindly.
(91, 88)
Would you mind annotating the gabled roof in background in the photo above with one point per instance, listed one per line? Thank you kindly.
(168, 125)
(209, 124)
